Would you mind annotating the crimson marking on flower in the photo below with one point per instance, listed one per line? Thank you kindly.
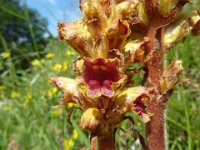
(140, 107)
(99, 74)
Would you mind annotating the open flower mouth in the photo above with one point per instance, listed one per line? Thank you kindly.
(140, 107)
(99, 74)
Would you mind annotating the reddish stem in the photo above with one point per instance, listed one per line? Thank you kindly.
(104, 143)
(93, 143)
(155, 128)
(107, 143)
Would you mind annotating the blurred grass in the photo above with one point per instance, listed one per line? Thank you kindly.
(183, 108)
(26, 101)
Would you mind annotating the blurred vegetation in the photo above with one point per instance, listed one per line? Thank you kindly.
(22, 31)
(29, 56)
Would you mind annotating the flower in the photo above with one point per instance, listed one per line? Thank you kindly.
(75, 134)
(134, 99)
(69, 52)
(70, 105)
(100, 75)
(57, 113)
(14, 94)
(57, 67)
(68, 87)
(98, 31)
(68, 144)
(49, 55)
(169, 77)
(37, 62)
(52, 91)
(65, 66)
(5, 55)
(91, 119)
(27, 99)
(75, 35)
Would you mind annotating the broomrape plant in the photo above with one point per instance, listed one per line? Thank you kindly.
(112, 36)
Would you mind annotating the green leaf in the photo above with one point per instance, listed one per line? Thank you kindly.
(82, 137)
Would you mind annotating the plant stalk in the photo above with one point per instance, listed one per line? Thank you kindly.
(103, 143)
(155, 129)
(107, 143)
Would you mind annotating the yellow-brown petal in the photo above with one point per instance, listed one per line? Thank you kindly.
(91, 119)
(142, 14)
(126, 8)
(136, 51)
(77, 36)
(176, 32)
(170, 74)
(117, 33)
(93, 16)
(167, 5)
(134, 100)
(179, 29)
(68, 87)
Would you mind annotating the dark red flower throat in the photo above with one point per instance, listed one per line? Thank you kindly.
(99, 74)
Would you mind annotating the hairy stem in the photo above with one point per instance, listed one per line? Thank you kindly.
(93, 143)
(107, 143)
(156, 127)
(103, 143)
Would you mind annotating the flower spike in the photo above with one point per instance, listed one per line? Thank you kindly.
(112, 39)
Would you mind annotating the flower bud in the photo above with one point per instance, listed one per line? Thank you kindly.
(91, 119)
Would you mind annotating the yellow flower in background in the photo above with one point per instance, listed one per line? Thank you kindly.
(57, 113)
(27, 99)
(37, 62)
(70, 105)
(69, 52)
(52, 91)
(65, 66)
(57, 67)
(14, 94)
(75, 134)
(5, 55)
(2, 87)
(68, 144)
(49, 55)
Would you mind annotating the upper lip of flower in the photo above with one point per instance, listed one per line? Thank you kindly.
(99, 74)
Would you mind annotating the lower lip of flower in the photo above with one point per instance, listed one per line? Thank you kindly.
(99, 76)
